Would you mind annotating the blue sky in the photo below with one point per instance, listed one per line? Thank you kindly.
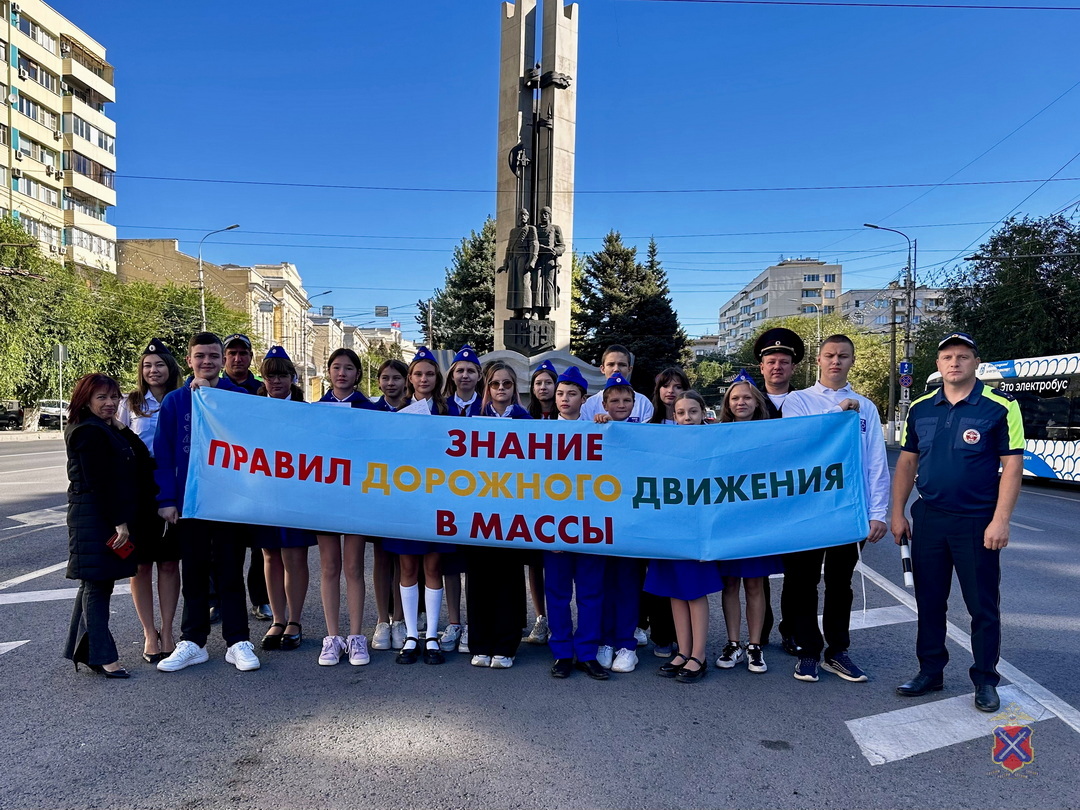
(672, 96)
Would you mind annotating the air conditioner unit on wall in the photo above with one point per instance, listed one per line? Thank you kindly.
(24, 73)
(59, 175)
(15, 8)
(53, 249)
(16, 172)
(57, 134)
(18, 155)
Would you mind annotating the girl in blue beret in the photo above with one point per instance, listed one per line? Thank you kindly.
(463, 384)
(542, 392)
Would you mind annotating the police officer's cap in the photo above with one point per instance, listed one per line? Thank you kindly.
(156, 346)
(243, 340)
(466, 354)
(959, 337)
(779, 340)
(573, 376)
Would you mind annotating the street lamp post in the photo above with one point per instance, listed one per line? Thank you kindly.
(909, 289)
(304, 343)
(202, 280)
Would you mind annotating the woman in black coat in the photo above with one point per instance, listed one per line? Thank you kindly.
(111, 492)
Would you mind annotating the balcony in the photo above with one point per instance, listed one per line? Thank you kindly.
(73, 70)
(90, 188)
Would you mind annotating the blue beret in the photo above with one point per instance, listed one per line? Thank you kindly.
(616, 379)
(743, 377)
(573, 376)
(278, 353)
(466, 353)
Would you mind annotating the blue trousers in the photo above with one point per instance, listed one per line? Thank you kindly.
(940, 544)
(623, 579)
(562, 574)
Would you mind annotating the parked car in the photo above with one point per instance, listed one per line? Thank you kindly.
(710, 416)
(50, 412)
(11, 417)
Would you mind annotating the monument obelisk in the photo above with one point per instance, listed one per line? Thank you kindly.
(535, 206)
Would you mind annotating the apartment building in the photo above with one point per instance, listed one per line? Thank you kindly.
(873, 308)
(807, 287)
(57, 143)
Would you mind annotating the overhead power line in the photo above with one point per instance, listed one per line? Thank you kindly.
(732, 190)
(964, 6)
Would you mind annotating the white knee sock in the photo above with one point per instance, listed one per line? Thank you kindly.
(433, 603)
(410, 602)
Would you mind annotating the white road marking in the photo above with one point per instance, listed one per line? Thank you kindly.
(8, 646)
(1048, 495)
(19, 580)
(878, 617)
(36, 469)
(28, 531)
(1025, 526)
(1065, 711)
(53, 516)
(928, 726)
(54, 595)
(38, 453)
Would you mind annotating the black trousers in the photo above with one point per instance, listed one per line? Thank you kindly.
(256, 575)
(209, 548)
(786, 627)
(940, 544)
(495, 590)
(89, 640)
(655, 612)
(802, 574)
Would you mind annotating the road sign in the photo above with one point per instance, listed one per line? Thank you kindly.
(59, 353)
(906, 380)
(382, 312)
(906, 367)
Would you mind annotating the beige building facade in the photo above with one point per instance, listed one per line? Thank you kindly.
(57, 142)
(873, 308)
(791, 287)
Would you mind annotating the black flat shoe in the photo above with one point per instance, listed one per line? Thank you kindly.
(407, 656)
(153, 658)
(593, 670)
(670, 669)
(685, 675)
(986, 698)
(433, 656)
(562, 668)
(920, 685)
(116, 673)
(290, 641)
(272, 641)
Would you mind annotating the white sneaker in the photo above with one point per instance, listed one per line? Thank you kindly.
(640, 637)
(481, 661)
(604, 656)
(332, 649)
(463, 642)
(540, 631)
(185, 654)
(397, 635)
(242, 655)
(380, 639)
(358, 654)
(449, 637)
(501, 661)
(732, 654)
(625, 661)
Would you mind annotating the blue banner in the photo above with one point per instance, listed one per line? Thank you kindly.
(656, 491)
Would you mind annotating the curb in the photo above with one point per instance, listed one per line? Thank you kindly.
(23, 436)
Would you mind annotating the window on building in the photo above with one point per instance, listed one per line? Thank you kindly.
(35, 111)
(857, 303)
(40, 230)
(811, 293)
(98, 245)
(88, 132)
(90, 168)
(42, 154)
(830, 293)
(830, 278)
(811, 277)
(881, 320)
(39, 191)
(881, 303)
(810, 309)
(49, 81)
(74, 201)
(828, 310)
(37, 33)
(3, 135)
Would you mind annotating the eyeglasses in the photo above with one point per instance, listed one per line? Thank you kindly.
(500, 384)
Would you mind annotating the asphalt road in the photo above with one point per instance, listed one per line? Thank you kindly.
(298, 735)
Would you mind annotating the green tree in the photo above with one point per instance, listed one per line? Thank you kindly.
(463, 311)
(619, 300)
(1021, 297)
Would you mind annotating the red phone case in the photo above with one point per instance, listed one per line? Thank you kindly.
(124, 551)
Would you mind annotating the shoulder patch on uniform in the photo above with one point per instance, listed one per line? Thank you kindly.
(994, 393)
(927, 395)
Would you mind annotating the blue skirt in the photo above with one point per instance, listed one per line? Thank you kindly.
(752, 566)
(416, 547)
(277, 537)
(683, 579)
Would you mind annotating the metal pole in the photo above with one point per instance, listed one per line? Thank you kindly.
(202, 280)
(892, 371)
(905, 393)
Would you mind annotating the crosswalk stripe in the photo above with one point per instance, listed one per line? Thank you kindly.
(926, 727)
(49, 596)
(8, 646)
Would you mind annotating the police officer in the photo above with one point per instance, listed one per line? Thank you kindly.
(778, 351)
(955, 439)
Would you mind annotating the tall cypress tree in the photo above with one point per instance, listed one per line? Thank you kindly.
(463, 311)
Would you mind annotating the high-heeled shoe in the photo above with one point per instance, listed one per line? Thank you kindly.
(153, 658)
(100, 670)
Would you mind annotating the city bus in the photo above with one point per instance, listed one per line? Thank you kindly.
(1048, 392)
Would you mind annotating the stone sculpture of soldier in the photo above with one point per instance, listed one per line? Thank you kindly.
(545, 291)
(522, 250)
